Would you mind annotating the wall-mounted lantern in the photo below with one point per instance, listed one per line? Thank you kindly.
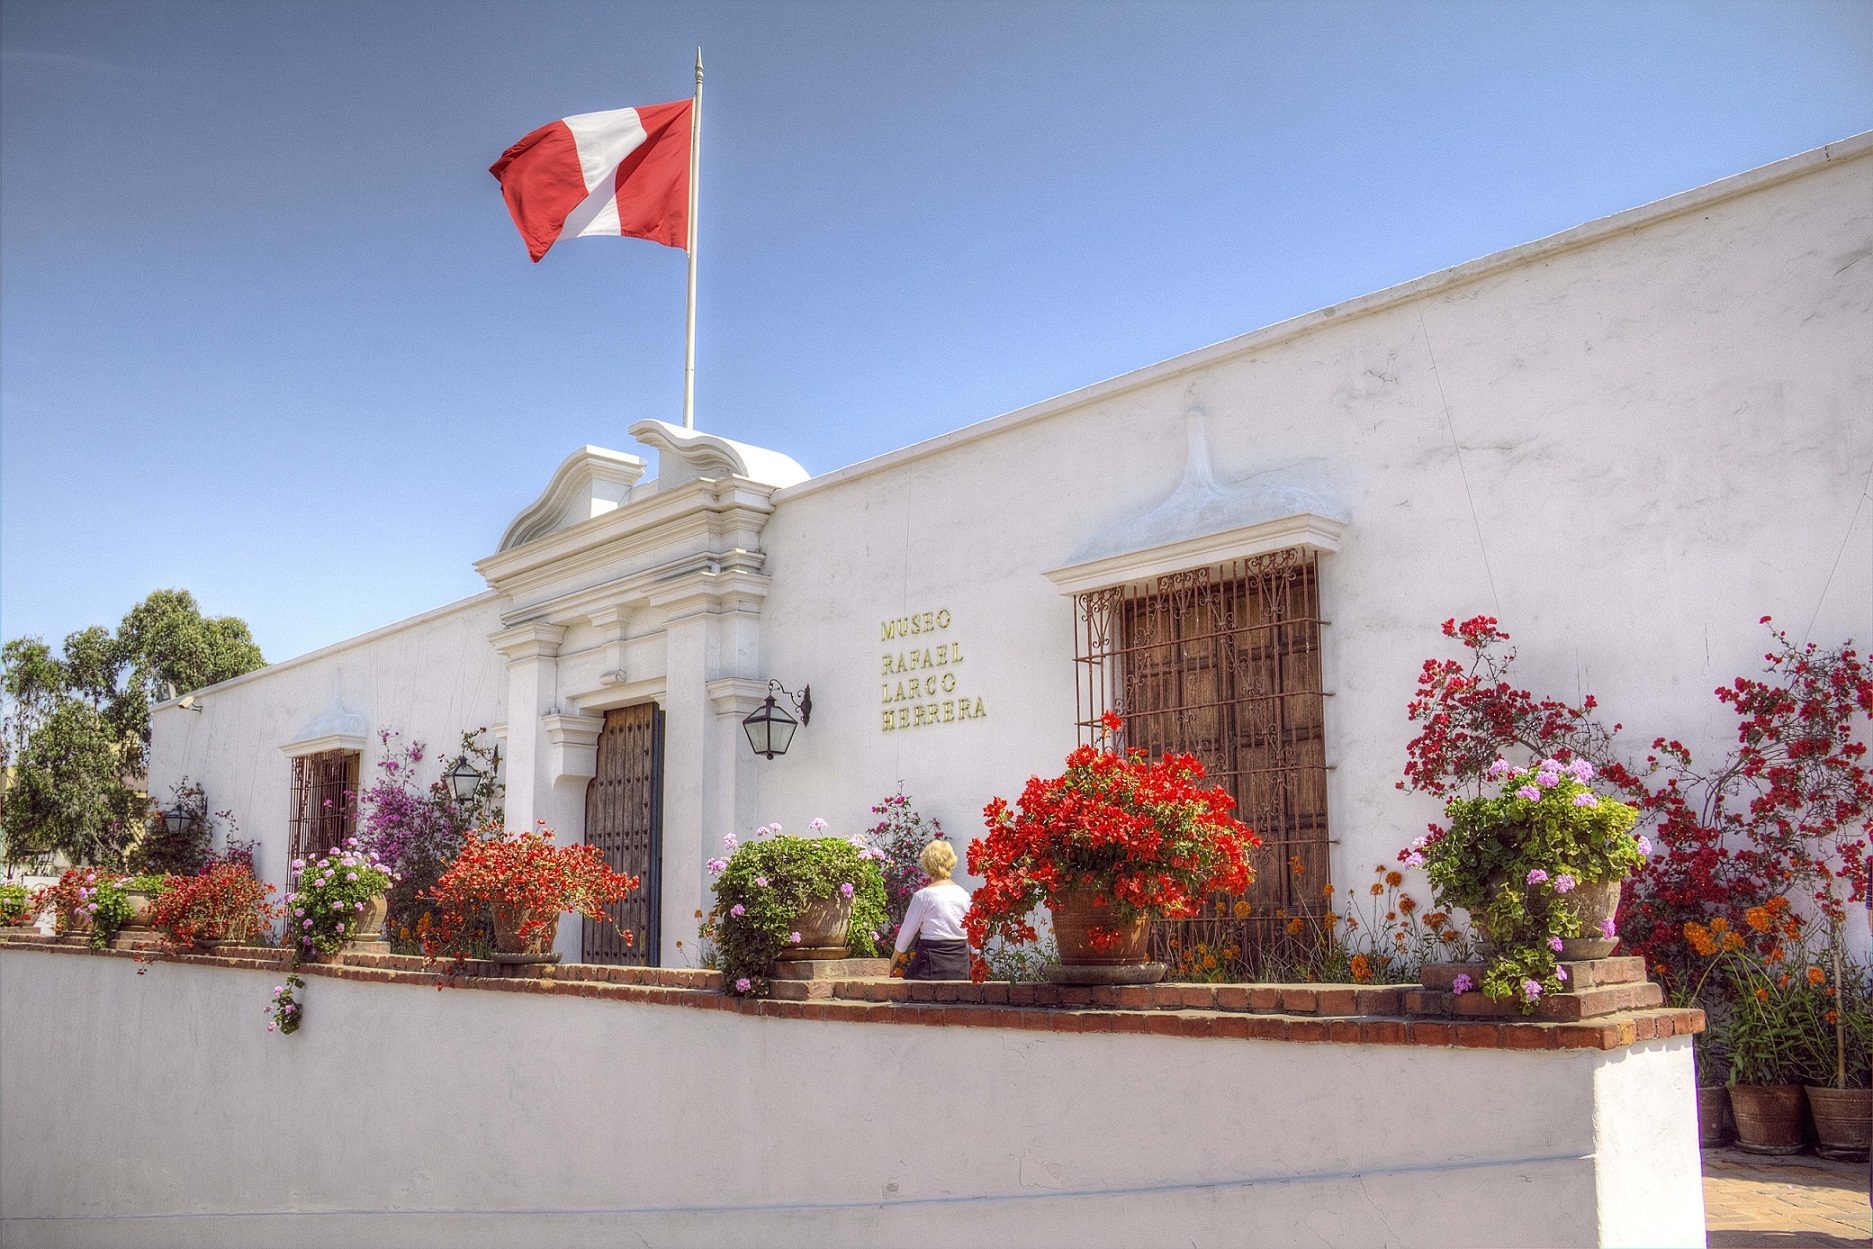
(463, 779)
(769, 728)
(176, 820)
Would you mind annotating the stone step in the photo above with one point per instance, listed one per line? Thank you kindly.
(1581, 975)
(832, 968)
(800, 990)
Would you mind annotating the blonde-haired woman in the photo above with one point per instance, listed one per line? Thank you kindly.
(934, 922)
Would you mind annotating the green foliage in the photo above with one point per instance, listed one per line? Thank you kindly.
(769, 881)
(77, 724)
(1020, 962)
(1511, 860)
(151, 883)
(114, 910)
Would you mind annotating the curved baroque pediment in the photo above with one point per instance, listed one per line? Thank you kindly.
(590, 482)
(686, 455)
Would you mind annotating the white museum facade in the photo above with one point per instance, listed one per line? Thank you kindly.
(1627, 442)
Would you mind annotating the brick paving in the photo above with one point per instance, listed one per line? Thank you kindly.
(1801, 1201)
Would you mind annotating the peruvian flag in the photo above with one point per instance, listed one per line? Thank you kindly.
(620, 173)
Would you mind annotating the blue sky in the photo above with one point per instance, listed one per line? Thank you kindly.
(267, 333)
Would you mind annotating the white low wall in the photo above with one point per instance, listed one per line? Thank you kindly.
(156, 1110)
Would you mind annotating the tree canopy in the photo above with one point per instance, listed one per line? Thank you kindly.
(77, 724)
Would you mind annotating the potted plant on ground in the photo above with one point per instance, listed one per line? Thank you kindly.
(337, 899)
(527, 882)
(1538, 868)
(1771, 1016)
(223, 904)
(1838, 1031)
(1109, 845)
(780, 897)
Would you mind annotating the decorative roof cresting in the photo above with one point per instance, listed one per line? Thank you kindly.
(589, 482)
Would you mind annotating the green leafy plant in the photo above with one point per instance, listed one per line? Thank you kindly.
(15, 904)
(1511, 861)
(764, 885)
(1020, 962)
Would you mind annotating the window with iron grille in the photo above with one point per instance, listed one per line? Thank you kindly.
(324, 812)
(1224, 663)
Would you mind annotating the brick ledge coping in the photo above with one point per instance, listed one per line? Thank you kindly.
(1045, 1008)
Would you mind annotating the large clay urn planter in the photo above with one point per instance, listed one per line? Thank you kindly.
(822, 924)
(1768, 1117)
(1843, 1122)
(1075, 914)
(1714, 1126)
(1596, 901)
(370, 924)
(140, 903)
(509, 947)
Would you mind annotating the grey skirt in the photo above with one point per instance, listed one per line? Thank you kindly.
(939, 960)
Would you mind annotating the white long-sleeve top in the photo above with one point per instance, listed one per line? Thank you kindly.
(935, 914)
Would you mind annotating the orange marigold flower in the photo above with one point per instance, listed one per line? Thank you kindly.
(1361, 968)
(1832, 1017)
(1816, 975)
(1294, 927)
(1720, 925)
(1394, 879)
(1762, 995)
(1447, 936)
(1377, 889)
(1732, 942)
(1326, 891)
(1243, 910)
(1406, 904)
(1758, 918)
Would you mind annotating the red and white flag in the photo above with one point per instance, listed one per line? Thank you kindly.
(621, 173)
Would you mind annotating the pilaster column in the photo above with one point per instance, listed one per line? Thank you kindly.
(531, 651)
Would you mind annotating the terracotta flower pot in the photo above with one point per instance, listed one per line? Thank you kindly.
(507, 938)
(370, 922)
(823, 925)
(1597, 901)
(1768, 1117)
(1714, 1126)
(1843, 1121)
(1077, 913)
(140, 903)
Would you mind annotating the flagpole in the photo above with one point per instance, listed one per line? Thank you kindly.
(689, 327)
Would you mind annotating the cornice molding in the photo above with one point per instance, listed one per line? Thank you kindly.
(1306, 529)
(355, 742)
(532, 639)
(736, 696)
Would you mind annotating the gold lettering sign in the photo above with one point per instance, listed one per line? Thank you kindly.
(920, 685)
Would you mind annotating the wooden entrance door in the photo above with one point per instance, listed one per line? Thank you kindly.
(624, 819)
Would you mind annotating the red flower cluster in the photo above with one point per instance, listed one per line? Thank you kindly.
(1142, 837)
(526, 873)
(1785, 808)
(223, 903)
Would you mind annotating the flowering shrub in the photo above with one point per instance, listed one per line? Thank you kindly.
(331, 890)
(1379, 935)
(88, 900)
(1511, 861)
(526, 874)
(764, 884)
(417, 832)
(899, 838)
(1144, 837)
(15, 905)
(1785, 807)
(223, 903)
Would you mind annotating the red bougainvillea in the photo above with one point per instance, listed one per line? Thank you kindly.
(525, 872)
(1782, 811)
(1143, 836)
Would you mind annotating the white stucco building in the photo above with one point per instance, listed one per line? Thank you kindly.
(1627, 442)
